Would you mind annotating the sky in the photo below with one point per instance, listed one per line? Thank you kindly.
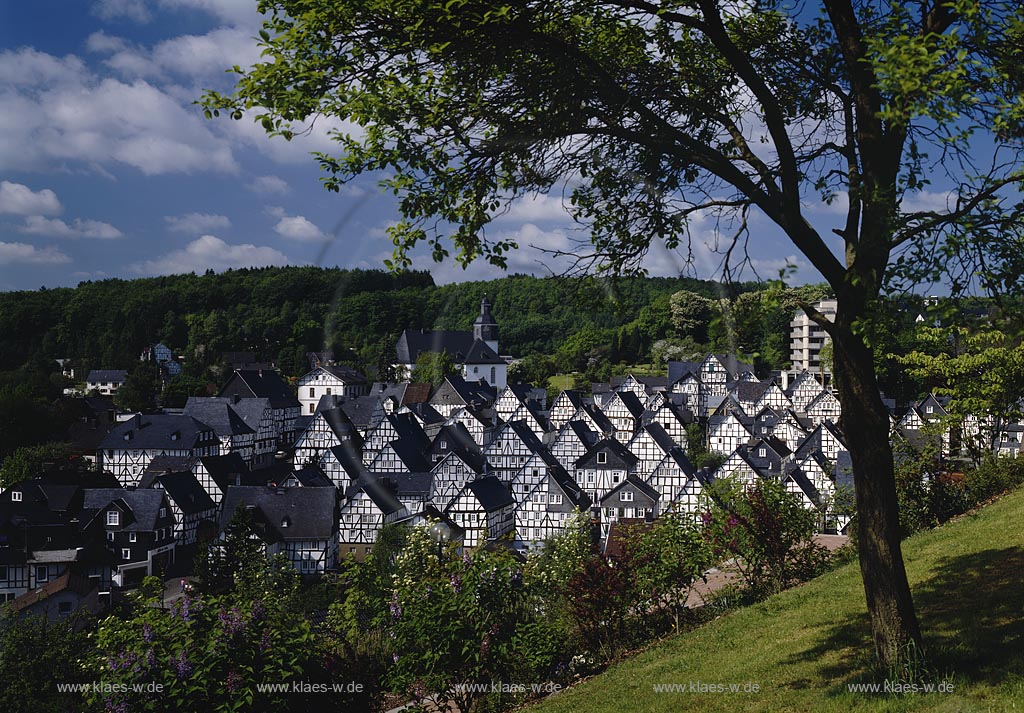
(107, 169)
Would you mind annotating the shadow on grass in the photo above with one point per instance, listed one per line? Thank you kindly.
(970, 613)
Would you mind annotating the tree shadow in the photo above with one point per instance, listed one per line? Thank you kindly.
(971, 615)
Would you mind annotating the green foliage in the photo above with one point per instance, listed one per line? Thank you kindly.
(766, 531)
(27, 462)
(35, 654)
(140, 388)
(433, 367)
(236, 560)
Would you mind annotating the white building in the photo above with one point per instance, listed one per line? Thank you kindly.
(807, 338)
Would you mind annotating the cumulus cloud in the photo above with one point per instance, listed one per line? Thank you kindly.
(21, 200)
(210, 252)
(78, 228)
(233, 12)
(196, 223)
(269, 184)
(11, 253)
(55, 117)
(198, 56)
(116, 9)
(297, 227)
(541, 208)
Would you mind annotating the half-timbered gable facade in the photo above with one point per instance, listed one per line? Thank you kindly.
(511, 398)
(624, 410)
(768, 454)
(330, 427)
(650, 445)
(267, 384)
(455, 392)
(531, 414)
(485, 510)
(594, 417)
(694, 393)
(478, 423)
(713, 375)
(738, 466)
(216, 473)
(671, 475)
(132, 444)
(232, 431)
(824, 407)
(573, 440)
(368, 506)
(564, 408)
(510, 450)
(804, 389)
(825, 438)
(403, 455)
(329, 380)
(674, 418)
(190, 504)
(259, 415)
(727, 433)
(391, 428)
(300, 523)
(690, 500)
(603, 467)
(543, 511)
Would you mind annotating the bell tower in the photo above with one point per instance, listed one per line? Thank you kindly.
(484, 327)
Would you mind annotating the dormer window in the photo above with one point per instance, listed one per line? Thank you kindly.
(163, 512)
(930, 409)
(286, 521)
(113, 517)
(16, 496)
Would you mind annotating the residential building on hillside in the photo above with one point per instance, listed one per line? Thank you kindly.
(807, 338)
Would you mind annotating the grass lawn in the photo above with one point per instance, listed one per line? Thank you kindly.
(561, 381)
(804, 646)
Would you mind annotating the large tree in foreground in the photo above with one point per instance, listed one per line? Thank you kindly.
(646, 113)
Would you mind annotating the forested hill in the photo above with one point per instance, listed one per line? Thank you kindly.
(280, 313)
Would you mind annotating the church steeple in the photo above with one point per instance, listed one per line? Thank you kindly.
(484, 327)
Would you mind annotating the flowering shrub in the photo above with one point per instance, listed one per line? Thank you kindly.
(765, 532)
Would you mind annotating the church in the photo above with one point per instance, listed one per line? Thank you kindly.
(475, 352)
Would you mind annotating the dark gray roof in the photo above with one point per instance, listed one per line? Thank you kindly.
(568, 485)
(218, 414)
(107, 375)
(412, 342)
(408, 484)
(599, 418)
(411, 454)
(350, 460)
(362, 411)
(612, 445)
(186, 492)
(631, 402)
(679, 456)
(457, 440)
(491, 493)
(480, 353)
(260, 383)
(284, 513)
(346, 374)
(583, 432)
(226, 469)
(679, 369)
(635, 482)
(660, 436)
(798, 476)
(379, 493)
(156, 431)
(144, 505)
(311, 476)
(750, 390)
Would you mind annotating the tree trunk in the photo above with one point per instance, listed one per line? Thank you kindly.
(865, 425)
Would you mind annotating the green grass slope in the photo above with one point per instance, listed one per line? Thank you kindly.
(803, 647)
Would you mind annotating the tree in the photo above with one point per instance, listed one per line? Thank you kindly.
(983, 376)
(138, 393)
(647, 114)
(29, 461)
(433, 367)
(691, 314)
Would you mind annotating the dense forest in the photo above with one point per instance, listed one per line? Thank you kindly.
(593, 327)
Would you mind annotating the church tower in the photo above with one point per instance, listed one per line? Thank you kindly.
(484, 327)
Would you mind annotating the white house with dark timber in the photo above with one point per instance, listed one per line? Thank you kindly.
(132, 444)
(485, 509)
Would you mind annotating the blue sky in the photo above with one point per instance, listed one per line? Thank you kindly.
(108, 170)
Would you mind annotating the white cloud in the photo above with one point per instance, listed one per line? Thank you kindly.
(101, 121)
(196, 223)
(297, 227)
(269, 184)
(538, 208)
(21, 200)
(78, 228)
(199, 56)
(210, 252)
(234, 12)
(27, 67)
(115, 9)
(312, 135)
(929, 201)
(11, 253)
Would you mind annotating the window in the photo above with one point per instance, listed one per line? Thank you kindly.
(930, 409)
(626, 496)
(113, 517)
(761, 452)
(42, 573)
(556, 499)
(126, 553)
(590, 479)
(442, 445)
(110, 535)
(602, 457)
(328, 390)
(16, 496)
(492, 375)
(312, 392)
(3, 573)
(133, 537)
(312, 408)
(163, 512)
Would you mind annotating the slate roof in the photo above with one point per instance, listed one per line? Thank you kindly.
(185, 491)
(491, 493)
(480, 353)
(411, 454)
(636, 483)
(100, 376)
(798, 476)
(678, 455)
(311, 476)
(382, 496)
(342, 427)
(345, 373)
(224, 469)
(413, 484)
(660, 436)
(576, 495)
(218, 414)
(600, 418)
(750, 390)
(677, 370)
(143, 504)
(614, 446)
(413, 342)
(311, 513)
(631, 402)
(458, 440)
(155, 431)
(583, 432)
(362, 411)
(261, 383)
